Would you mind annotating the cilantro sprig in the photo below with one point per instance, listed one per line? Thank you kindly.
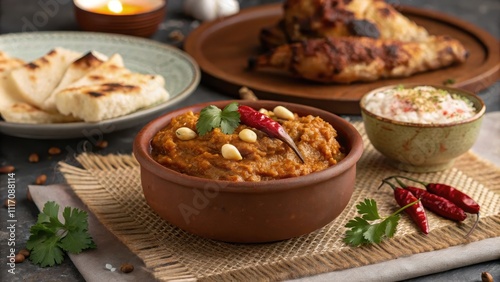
(212, 117)
(50, 238)
(370, 227)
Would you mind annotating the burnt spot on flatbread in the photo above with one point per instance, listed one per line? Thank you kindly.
(88, 60)
(113, 85)
(43, 60)
(114, 67)
(95, 94)
(37, 63)
(32, 66)
(52, 52)
(106, 89)
(96, 77)
(119, 86)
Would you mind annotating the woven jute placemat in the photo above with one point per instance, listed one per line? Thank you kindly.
(110, 187)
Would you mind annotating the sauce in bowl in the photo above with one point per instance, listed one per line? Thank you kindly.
(421, 104)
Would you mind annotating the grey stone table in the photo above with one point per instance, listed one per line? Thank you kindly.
(46, 15)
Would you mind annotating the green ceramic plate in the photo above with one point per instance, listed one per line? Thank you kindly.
(181, 73)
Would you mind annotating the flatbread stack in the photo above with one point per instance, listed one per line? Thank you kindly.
(67, 86)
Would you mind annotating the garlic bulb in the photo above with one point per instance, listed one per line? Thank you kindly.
(207, 10)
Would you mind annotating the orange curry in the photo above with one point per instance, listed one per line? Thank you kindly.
(266, 159)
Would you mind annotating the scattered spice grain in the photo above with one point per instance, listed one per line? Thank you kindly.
(25, 253)
(176, 35)
(54, 151)
(34, 158)
(19, 258)
(9, 202)
(102, 144)
(6, 169)
(126, 268)
(486, 277)
(41, 179)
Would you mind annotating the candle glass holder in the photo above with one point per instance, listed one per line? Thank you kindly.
(130, 17)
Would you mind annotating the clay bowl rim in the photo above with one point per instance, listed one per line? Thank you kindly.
(142, 147)
(469, 95)
(122, 16)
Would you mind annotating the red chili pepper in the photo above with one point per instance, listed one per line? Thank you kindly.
(460, 199)
(416, 211)
(260, 121)
(454, 195)
(436, 204)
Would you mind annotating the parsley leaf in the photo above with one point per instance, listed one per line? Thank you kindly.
(449, 81)
(371, 227)
(77, 238)
(212, 117)
(208, 120)
(46, 252)
(50, 238)
(368, 209)
(230, 118)
(355, 236)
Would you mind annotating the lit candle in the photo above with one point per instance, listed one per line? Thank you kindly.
(115, 7)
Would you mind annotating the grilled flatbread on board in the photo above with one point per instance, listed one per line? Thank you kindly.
(35, 81)
(110, 90)
(74, 72)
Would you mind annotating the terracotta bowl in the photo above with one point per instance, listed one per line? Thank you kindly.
(249, 212)
(143, 24)
(422, 147)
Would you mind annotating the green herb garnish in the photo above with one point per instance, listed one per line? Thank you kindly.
(50, 238)
(449, 81)
(371, 227)
(212, 117)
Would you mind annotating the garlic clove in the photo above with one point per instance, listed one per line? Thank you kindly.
(227, 7)
(207, 10)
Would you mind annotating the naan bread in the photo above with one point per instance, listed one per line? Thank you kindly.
(110, 90)
(13, 107)
(73, 73)
(35, 81)
(25, 113)
(7, 63)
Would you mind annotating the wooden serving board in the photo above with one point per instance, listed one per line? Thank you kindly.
(222, 48)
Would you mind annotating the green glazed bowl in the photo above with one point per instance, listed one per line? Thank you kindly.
(418, 147)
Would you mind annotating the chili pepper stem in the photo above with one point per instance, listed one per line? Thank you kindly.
(291, 144)
(408, 178)
(473, 226)
(404, 207)
(400, 183)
